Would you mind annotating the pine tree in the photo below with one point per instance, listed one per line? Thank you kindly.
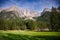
(54, 19)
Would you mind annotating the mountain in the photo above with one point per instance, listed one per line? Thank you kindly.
(19, 12)
(46, 10)
(1, 9)
(46, 14)
(7, 15)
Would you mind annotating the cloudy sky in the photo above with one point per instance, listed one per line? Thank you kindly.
(37, 5)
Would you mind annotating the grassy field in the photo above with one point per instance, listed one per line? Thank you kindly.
(29, 35)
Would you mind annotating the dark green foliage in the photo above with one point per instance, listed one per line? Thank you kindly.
(45, 17)
(32, 25)
(44, 21)
(55, 20)
(58, 8)
(22, 24)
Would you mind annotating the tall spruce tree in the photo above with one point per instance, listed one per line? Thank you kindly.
(54, 19)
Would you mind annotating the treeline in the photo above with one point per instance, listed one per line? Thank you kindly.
(19, 24)
(49, 21)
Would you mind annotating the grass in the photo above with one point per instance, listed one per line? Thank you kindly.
(29, 35)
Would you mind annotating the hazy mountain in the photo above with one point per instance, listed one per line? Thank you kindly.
(1, 9)
(19, 12)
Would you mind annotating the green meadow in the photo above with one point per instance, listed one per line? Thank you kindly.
(28, 35)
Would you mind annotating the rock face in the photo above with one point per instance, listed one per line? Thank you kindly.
(49, 10)
(19, 12)
(46, 10)
(1, 9)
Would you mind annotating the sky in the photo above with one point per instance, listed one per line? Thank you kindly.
(37, 5)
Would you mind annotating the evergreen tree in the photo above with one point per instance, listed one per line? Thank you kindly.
(54, 19)
(32, 25)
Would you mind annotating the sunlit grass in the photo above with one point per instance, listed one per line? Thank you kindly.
(28, 35)
(33, 33)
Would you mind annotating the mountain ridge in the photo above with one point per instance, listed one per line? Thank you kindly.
(22, 12)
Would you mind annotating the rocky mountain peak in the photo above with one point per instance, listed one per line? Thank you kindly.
(47, 9)
(19, 12)
(13, 8)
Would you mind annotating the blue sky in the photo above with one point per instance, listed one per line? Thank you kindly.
(37, 5)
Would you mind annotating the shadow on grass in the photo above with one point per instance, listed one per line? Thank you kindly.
(10, 36)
